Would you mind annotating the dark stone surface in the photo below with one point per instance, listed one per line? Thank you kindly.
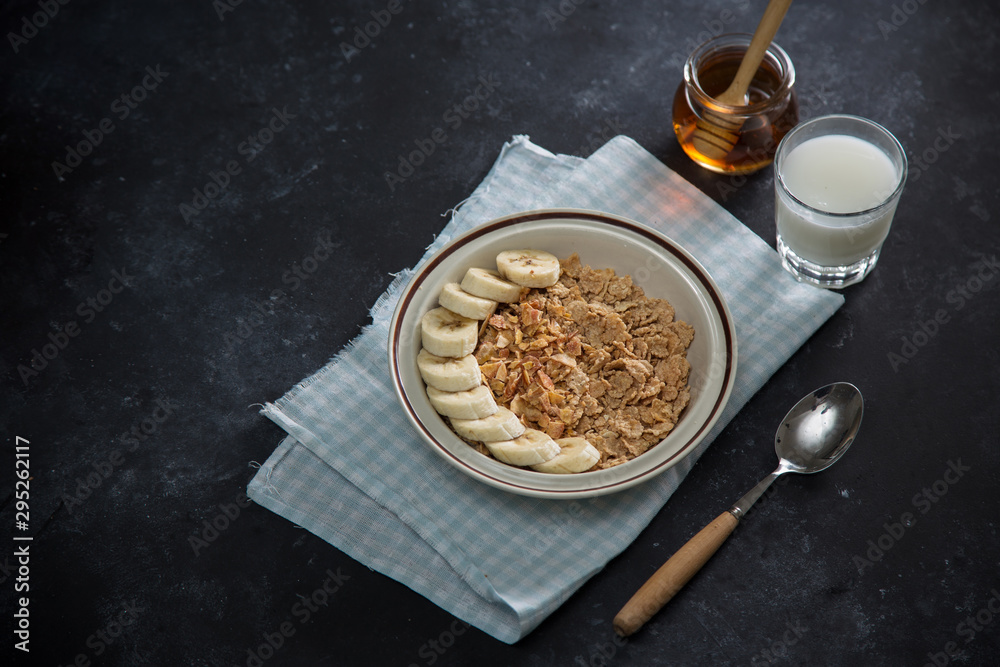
(189, 341)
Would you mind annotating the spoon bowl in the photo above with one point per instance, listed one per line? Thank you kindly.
(820, 428)
(814, 434)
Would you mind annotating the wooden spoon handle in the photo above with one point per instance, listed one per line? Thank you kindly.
(766, 29)
(672, 575)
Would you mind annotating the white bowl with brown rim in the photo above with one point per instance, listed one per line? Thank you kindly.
(656, 263)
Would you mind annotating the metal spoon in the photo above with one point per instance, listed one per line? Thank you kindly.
(811, 437)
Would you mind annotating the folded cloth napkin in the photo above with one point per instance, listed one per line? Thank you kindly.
(353, 471)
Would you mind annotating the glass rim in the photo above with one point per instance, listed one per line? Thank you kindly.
(739, 39)
(779, 155)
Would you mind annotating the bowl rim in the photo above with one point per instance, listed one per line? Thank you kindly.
(712, 291)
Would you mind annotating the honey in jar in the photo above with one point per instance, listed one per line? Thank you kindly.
(771, 108)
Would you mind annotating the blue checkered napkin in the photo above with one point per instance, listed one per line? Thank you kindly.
(354, 472)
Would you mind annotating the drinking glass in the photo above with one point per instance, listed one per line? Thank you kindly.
(837, 181)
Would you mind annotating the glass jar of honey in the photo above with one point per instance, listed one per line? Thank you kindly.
(771, 108)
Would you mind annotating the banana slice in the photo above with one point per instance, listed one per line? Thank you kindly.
(470, 404)
(501, 425)
(455, 299)
(448, 334)
(530, 268)
(489, 285)
(575, 455)
(446, 374)
(530, 449)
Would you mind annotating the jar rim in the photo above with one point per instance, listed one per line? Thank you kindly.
(774, 54)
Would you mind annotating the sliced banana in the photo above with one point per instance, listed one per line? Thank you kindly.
(575, 455)
(448, 334)
(457, 300)
(529, 449)
(530, 268)
(446, 374)
(501, 425)
(489, 285)
(473, 403)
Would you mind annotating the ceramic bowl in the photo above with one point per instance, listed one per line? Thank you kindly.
(657, 264)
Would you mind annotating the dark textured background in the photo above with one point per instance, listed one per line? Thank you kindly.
(194, 326)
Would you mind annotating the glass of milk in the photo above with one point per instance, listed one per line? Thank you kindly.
(837, 180)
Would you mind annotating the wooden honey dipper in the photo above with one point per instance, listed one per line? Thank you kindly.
(716, 135)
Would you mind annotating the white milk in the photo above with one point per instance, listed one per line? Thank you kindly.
(836, 173)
